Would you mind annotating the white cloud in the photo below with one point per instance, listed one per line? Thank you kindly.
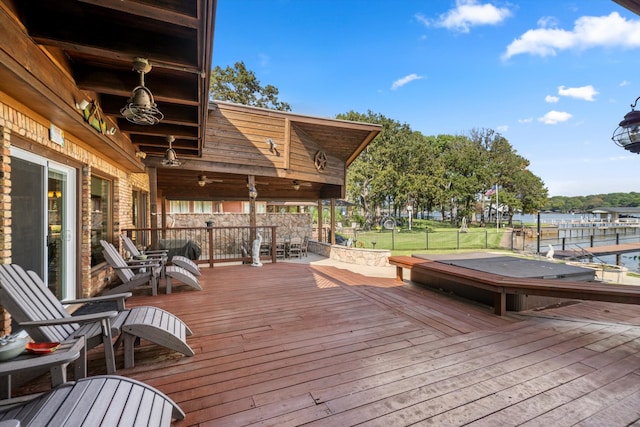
(502, 128)
(547, 22)
(584, 92)
(404, 80)
(624, 83)
(467, 14)
(588, 31)
(526, 120)
(551, 99)
(554, 117)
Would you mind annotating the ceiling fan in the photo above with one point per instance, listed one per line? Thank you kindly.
(297, 184)
(203, 180)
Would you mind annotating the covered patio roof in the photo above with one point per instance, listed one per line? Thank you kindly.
(85, 52)
(237, 145)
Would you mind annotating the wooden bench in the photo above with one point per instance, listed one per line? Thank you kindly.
(96, 401)
(501, 286)
(404, 261)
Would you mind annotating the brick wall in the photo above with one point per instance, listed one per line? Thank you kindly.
(5, 216)
(15, 120)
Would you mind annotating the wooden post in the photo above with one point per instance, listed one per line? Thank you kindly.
(320, 221)
(252, 211)
(153, 195)
(332, 215)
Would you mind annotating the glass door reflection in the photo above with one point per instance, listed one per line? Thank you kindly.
(56, 241)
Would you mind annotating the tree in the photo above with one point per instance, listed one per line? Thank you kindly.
(401, 168)
(241, 86)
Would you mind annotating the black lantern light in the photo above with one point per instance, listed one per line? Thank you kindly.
(627, 135)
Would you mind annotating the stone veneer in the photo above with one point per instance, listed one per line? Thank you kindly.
(359, 256)
(289, 224)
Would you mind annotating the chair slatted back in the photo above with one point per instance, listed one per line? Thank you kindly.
(129, 245)
(114, 259)
(26, 297)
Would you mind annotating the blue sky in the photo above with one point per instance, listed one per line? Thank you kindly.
(554, 77)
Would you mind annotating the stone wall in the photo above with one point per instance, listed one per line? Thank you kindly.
(289, 224)
(358, 256)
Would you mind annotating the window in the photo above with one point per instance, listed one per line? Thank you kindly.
(101, 216)
(139, 215)
(260, 207)
(202, 206)
(178, 206)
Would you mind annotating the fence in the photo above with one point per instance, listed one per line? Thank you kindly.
(404, 240)
(208, 244)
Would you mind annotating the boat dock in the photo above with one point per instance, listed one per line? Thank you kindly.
(595, 251)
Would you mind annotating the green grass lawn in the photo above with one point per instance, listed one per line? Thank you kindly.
(447, 239)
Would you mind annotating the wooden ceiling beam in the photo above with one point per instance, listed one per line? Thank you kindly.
(179, 90)
(110, 32)
(186, 16)
(160, 129)
(184, 115)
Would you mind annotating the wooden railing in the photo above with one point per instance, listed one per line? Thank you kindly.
(208, 245)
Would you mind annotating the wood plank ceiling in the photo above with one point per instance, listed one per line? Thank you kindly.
(97, 41)
(91, 46)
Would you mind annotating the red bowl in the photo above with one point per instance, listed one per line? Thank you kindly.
(42, 347)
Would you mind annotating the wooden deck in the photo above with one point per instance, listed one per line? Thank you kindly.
(294, 344)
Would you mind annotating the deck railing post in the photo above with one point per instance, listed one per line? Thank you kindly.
(273, 243)
(211, 250)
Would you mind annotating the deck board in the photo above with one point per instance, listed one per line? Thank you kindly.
(298, 344)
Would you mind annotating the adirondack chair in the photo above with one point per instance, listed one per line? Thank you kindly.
(106, 400)
(179, 260)
(147, 271)
(159, 256)
(151, 275)
(35, 308)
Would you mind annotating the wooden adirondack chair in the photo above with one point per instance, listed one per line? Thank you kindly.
(106, 400)
(125, 268)
(160, 256)
(134, 274)
(179, 260)
(35, 308)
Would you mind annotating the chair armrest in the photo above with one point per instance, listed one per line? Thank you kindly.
(158, 251)
(143, 263)
(119, 298)
(150, 255)
(85, 318)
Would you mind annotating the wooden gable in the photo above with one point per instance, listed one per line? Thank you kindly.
(280, 149)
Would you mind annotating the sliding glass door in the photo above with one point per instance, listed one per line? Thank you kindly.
(43, 210)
